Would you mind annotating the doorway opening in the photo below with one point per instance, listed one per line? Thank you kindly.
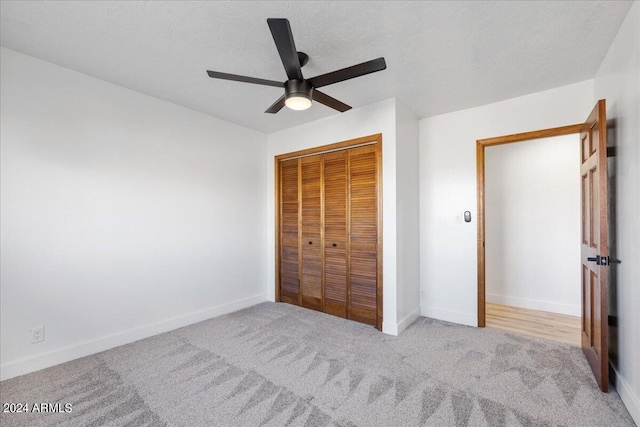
(594, 242)
(518, 257)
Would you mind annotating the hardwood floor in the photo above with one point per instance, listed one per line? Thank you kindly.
(540, 324)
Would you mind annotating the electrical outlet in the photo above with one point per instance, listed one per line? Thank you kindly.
(37, 334)
(423, 294)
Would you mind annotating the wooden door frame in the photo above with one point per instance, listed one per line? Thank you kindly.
(375, 139)
(481, 144)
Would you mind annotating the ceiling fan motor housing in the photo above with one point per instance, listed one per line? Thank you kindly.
(298, 89)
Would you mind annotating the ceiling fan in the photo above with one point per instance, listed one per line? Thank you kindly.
(298, 91)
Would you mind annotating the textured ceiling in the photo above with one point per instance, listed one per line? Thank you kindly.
(441, 56)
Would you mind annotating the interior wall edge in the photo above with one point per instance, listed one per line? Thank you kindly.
(629, 398)
(396, 329)
(617, 82)
(76, 351)
(408, 213)
(407, 321)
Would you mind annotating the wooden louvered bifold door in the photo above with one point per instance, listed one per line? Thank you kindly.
(363, 234)
(335, 233)
(289, 229)
(311, 246)
(329, 230)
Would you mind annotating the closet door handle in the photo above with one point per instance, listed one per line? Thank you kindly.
(310, 242)
(334, 245)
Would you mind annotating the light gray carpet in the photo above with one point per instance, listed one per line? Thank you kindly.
(277, 365)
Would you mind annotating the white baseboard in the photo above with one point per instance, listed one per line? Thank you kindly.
(389, 328)
(628, 397)
(397, 329)
(66, 354)
(534, 304)
(408, 320)
(449, 316)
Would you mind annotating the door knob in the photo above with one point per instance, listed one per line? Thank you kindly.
(334, 245)
(603, 260)
(310, 242)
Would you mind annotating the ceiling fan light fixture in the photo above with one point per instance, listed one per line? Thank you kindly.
(298, 94)
(297, 103)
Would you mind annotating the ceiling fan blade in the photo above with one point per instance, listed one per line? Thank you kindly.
(348, 73)
(325, 99)
(282, 36)
(244, 79)
(276, 106)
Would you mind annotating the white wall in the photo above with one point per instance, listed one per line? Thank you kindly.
(373, 119)
(408, 216)
(448, 273)
(618, 81)
(122, 215)
(532, 219)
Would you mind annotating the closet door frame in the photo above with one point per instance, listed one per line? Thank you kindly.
(376, 140)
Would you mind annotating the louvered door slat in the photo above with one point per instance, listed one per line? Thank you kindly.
(311, 281)
(335, 233)
(289, 239)
(363, 235)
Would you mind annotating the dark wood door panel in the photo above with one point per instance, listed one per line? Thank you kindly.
(594, 244)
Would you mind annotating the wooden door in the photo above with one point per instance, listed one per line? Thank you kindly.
(335, 233)
(289, 231)
(311, 219)
(329, 229)
(363, 238)
(595, 251)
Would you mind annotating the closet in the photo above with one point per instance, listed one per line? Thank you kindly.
(328, 229)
